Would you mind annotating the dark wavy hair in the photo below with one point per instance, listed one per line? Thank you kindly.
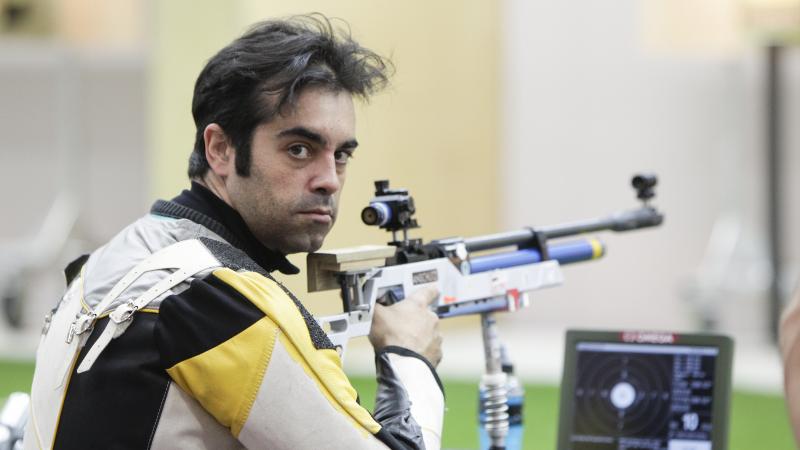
(250, 80)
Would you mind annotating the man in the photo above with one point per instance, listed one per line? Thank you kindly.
(789, 343)
(174, 335)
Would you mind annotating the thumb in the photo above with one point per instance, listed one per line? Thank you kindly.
(427, 296)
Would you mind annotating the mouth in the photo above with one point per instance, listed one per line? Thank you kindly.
(320, 215)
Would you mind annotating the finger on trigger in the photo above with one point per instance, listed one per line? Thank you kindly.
(429, 295)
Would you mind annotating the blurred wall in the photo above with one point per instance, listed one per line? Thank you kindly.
(434, 131)
(501, 115)
(588, 102)
(72, 172)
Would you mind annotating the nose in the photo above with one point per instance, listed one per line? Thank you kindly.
(326, 178)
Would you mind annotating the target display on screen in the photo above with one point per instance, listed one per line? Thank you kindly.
(657, 393)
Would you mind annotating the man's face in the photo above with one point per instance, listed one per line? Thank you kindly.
(290, 199)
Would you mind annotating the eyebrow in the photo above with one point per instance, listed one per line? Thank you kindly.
(316, 138)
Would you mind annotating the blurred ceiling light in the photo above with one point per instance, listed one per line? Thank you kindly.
(701, 27)
(117, 24)
(716, 28)
(773, 21)
(101, 23)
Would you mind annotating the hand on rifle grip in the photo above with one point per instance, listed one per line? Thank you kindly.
(410, 324)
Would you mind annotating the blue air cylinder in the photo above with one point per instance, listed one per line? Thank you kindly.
(564, 253)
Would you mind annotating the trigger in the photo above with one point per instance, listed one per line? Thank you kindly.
(390, 295)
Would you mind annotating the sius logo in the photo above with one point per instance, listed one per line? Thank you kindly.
(428, 276)
(649, 337)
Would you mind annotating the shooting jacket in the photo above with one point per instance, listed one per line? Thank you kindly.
(175, 335)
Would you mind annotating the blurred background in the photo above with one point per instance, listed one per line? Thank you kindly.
(501, 115)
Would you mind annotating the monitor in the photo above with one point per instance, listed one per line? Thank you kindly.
(638, 390)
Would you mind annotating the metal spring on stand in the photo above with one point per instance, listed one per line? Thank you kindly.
(495, 406)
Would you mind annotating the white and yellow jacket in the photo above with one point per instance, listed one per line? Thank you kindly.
(171, 336)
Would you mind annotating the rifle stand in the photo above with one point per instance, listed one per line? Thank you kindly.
(494, 384)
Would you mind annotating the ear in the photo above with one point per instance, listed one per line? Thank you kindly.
(220, 154)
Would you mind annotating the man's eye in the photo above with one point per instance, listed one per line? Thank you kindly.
(342, 156)
(299, 151)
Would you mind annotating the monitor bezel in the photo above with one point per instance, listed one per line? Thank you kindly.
(722, 373)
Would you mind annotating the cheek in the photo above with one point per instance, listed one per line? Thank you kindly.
(342, 176)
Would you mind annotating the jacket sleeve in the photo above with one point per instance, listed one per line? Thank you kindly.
(410, 398)
(255, 360)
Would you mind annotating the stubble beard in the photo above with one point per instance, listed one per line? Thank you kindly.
(282, 229)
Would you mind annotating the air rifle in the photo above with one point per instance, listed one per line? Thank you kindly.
(468, 283)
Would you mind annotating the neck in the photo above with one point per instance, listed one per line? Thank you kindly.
(215, 184)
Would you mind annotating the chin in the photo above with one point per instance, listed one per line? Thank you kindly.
(313, 248)
(309, 244)
(315, 243)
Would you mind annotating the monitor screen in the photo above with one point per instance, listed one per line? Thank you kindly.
(660, 394)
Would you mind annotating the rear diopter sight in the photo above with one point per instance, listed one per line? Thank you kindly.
(390, 209)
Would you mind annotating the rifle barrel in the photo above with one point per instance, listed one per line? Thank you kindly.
(625, 221)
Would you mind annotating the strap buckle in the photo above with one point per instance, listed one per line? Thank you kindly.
(123, 312)
(80, 325)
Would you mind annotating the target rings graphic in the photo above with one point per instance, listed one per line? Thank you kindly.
(622, 395)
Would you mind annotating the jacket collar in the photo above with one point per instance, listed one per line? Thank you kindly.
(202, 206)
